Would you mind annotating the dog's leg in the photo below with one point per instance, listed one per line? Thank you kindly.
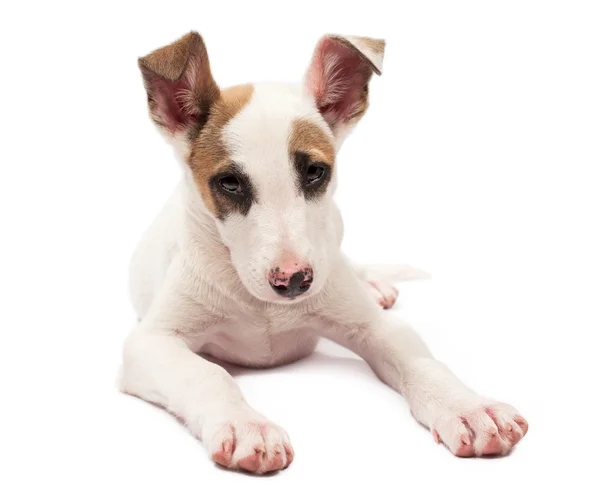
(467, 423)
(379, 280)
(159, 366)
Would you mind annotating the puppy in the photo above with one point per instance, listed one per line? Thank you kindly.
(243, 264)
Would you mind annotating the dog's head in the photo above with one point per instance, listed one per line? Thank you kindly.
(262, 157)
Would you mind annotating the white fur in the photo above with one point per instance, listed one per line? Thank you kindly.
(199, 287)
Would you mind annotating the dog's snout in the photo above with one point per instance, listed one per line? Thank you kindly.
(291, 280)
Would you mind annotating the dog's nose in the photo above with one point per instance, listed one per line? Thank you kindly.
(291, 279)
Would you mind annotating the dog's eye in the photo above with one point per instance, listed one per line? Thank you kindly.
(314, 173)
(231, 184)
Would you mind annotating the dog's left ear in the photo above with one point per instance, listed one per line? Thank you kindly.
(179, 84)
(339, 75)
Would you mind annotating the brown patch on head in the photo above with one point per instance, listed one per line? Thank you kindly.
(307, 137)
(312, 153)
(209, 155)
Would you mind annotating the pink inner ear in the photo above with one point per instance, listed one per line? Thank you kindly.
(170, 108)
(337, 78)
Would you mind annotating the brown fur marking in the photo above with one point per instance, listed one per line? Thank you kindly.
(208, 153)
(308, 137)
(171, 60)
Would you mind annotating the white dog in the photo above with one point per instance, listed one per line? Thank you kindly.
(243, 264)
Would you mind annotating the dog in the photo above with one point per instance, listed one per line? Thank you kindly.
(243, 265)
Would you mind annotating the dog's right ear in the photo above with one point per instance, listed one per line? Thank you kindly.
(179, 84)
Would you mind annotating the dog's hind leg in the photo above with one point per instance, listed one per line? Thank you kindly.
(379, 280)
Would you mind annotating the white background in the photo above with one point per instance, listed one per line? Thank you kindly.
(477, 161)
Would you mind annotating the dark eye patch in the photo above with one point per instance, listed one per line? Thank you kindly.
(312, 175)
(232, 191)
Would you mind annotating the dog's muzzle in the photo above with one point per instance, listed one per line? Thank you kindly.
(291, 282)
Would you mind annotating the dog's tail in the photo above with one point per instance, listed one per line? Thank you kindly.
(393, 272)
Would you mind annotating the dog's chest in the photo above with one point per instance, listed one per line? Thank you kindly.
(261, 339)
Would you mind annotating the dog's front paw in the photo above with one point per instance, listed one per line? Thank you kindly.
(246, 440)
(485, 429)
